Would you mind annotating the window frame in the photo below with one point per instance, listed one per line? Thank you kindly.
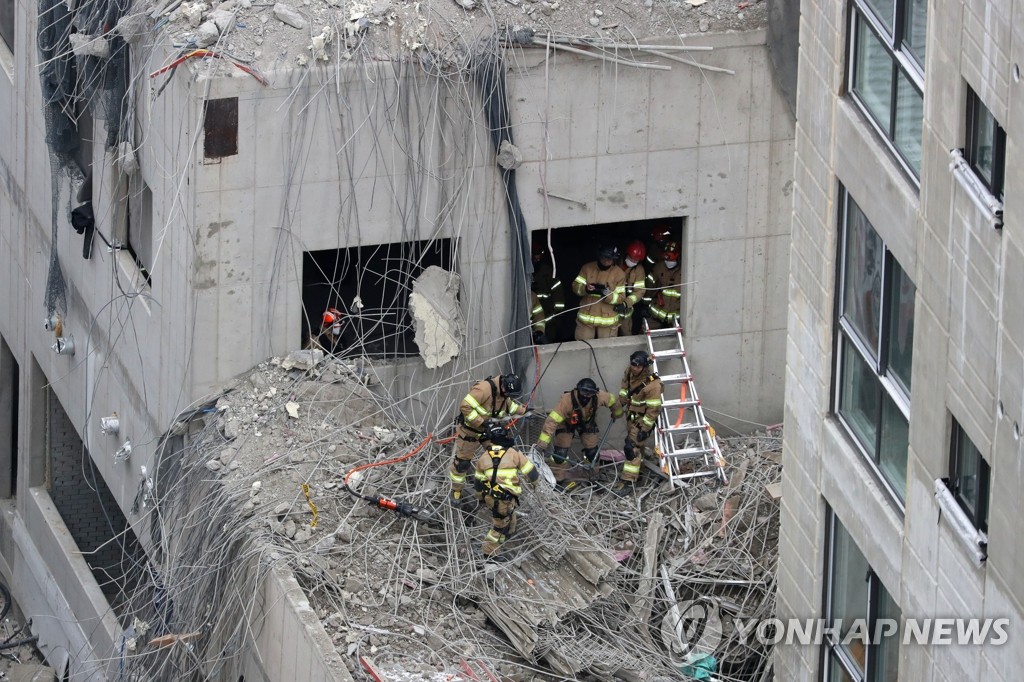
(903, 61)
(833, 649)
(995, 185)
(8, 25)
(887, 384)
(978, 511)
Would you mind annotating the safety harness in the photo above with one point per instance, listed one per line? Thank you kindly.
(577, 422)
(493, 487)
(460, 419)
(631, 415)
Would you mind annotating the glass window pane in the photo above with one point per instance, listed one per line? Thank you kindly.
(836, 672)
(982, 140)
(858, 402)
(892, 456)
(848, 587)
(872, 75)
(901, 325)
(862, 290)
(916, 16)
(909, 115)
(884, 10)
(886, 655)
(967, 483)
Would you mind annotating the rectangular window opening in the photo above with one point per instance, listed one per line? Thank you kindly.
(356, 300)
(7, 24)
(874, 347)
(855, 596)
(220, 128)
(969, 478)
(886, 72)
(139, 229)
(10, 373)
(560, 254)
(986, 145)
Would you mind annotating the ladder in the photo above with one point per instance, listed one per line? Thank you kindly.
(684, 441)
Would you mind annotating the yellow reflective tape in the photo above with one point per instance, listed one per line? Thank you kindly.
(312, 506)
(556, 417)
(544, 438)
(631, 468)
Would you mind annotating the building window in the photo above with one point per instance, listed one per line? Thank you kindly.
(7, 23)
(969, 478)
(856, 597)
(886, 71)
(986, 145)
(220, 128)
(875, 342)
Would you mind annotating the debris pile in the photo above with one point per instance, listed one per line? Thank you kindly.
(333, 30)
(277, 471)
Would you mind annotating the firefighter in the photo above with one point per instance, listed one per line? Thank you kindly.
(601, 286)
(575, 413)
(487, 401)
(640, 395)
(548, 287)
(329, 338)
(538, 321)
(668, 294)
(655, 250)
(498, 478)
(636, 277)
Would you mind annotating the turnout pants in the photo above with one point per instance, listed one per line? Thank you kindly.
(466, 444)
(634, 450)
(503, 523)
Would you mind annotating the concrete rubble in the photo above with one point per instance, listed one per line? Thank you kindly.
(594, 585)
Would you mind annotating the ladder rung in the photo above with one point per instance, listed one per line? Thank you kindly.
(676, 378)
(688, 453)
(672, 353)
(662, 333)
(684, 428)
(679, 403)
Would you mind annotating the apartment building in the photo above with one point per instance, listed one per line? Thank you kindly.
(233, 200)
(904, 386)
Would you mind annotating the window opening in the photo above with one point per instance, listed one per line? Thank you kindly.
(556, 266)
(854, 597)
(969, 478)
(875, 338)
(355, 300)
(986, 145)
(886, 72)
(220, 128)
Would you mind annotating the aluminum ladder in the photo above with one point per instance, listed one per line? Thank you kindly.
(684, 441)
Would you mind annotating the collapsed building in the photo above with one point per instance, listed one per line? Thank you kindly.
(188, 188)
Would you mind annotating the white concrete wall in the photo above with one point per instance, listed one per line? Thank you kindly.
(968, 337)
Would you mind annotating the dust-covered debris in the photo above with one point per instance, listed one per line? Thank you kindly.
(415, 595)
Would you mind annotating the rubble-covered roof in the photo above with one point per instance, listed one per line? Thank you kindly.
(288, 33)
(591, 582)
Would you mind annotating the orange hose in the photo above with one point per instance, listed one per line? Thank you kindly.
(370, 465)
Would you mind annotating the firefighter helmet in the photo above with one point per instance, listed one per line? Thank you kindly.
(636, 251)
(640, 358)
(661, 234)
(331, 316)
(499, 435)
(511, 384)
(608, 251)
(586, 388)
(672, 251)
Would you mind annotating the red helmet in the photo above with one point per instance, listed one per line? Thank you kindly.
(661, 234)
(636, 251)
(331, 316)
(671, 251)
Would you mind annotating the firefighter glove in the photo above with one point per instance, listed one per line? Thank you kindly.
(642, 435)
(620, 308)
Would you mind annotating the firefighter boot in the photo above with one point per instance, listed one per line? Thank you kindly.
(624, 488)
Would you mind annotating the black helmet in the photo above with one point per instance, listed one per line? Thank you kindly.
(586, 388)
(499, 435)
(609, 251)
(511, 384)
(640, 358)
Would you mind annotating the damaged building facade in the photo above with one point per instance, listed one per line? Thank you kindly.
(349, 161)
(904, 386)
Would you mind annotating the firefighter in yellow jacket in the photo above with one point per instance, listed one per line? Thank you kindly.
(601, 286)
(636, 285)
(575, 413)
(640, 394)
(498, 479)
(487, 401)
(538, 321)
(668, 290)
